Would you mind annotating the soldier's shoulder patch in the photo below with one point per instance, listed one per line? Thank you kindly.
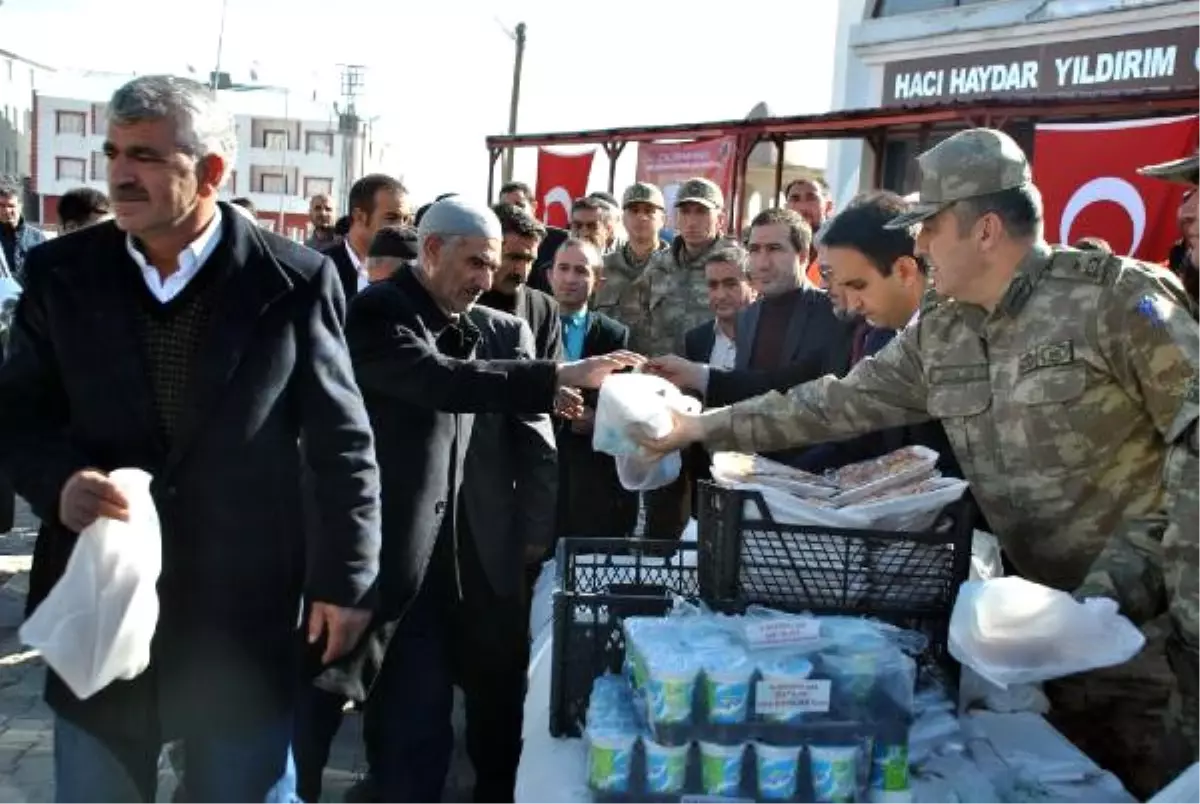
(1094, 267)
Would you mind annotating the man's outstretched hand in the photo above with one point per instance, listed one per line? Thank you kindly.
(591, 371)
(678, 371)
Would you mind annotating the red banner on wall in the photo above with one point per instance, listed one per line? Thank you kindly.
(561, 178)
(1088, 176)
(668, 164)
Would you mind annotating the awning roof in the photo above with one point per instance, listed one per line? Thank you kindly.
(856, 123)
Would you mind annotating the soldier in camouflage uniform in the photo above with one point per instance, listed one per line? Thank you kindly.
(644, 210)
(667, 300)
(1152, 569)
(1062, 378)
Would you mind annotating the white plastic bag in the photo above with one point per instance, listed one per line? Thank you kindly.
(1014, 631)
(647, 474)
(96, 624)
(635, 399)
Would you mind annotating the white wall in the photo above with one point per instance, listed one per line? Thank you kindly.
(17, 81)
(866, 45)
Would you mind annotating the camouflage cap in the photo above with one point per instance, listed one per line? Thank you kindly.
(1180, 171)
(643, 192)
(972, 163)
(700, 191)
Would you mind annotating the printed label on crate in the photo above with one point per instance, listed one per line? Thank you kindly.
(782, 632)
(792, 697)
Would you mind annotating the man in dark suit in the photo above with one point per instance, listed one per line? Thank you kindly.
(519, 194)
(510, 480)
(183, 340)
(375, 201)
(511, 292)
(713, 343)
(591, 500)
(414, 358)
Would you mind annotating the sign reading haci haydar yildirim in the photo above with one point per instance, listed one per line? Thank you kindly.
(1159, 60)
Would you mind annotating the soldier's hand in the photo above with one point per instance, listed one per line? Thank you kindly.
(585, 423)
(686, 429)
(591, 371)
(678, 371)
(89, 495)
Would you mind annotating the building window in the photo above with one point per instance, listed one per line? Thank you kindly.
(68, 169)
(233, 181)
(314, 186)
(275, 140)
(99, 166)
(272, 183)
(70, 123)
(319, 142)
(99, 117)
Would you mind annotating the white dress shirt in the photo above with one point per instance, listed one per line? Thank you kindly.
(724, 351)
(190, 261)
(364, 278)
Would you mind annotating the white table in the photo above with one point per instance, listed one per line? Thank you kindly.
(555, 770)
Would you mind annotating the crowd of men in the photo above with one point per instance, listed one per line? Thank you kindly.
(364, 446)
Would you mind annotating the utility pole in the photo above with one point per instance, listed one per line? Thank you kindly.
(519, 38)
(350, 128)
(216, 73)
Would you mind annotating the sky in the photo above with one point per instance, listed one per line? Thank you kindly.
(439, 74)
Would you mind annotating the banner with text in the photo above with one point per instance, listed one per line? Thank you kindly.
(1087, 173)
(669, 164)
(1156, 60)
(561, 178)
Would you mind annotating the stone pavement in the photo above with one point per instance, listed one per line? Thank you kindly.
(26, 742)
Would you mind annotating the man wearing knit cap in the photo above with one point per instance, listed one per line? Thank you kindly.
(413, 352)
(1066, 382)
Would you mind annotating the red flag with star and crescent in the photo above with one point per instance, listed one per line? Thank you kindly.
(1087, 173)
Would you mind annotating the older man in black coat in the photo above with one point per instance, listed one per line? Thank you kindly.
(184, 340)
(413, 351)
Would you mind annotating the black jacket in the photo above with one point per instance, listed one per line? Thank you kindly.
(539, 310)
(273, 368)
(539, 278)
(421, 385)
(345, 268)
(591, 500)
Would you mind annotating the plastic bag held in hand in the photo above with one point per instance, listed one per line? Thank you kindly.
(96, 624)
(644, 402)
(1014, 631)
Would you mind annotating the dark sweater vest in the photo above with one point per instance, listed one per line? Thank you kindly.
(171, 334)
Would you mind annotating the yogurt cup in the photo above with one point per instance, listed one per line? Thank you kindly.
(726, 688)
(889, 767)
(834, 772)
(670, 689)
(610, 761)
(778, 771)
(721, 768)
(853, 673)
(788, 670)
(666, 767)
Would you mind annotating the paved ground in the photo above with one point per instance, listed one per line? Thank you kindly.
(26, 745)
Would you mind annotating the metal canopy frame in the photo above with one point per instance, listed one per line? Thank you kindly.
(872, 125)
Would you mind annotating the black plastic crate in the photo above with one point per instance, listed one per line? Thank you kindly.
(601, 582)
(908, 579)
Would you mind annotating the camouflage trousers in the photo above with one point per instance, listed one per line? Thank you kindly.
(1118, 716)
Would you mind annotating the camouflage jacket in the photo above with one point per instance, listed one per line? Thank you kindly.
(668, 299)
(621, 270)
(1060, 404)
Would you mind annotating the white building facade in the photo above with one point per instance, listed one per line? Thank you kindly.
(287, 153)
(19, 77)
(915, 53)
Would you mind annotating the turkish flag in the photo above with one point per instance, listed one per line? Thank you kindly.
(1087, 173)
(561, 178)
